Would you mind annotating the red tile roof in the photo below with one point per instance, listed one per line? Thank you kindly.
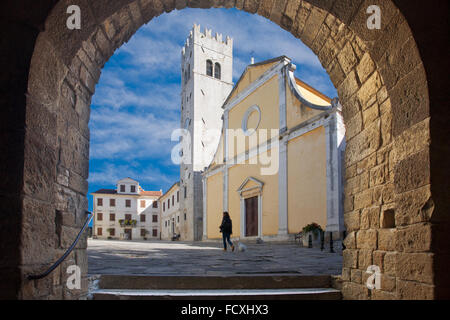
(106, 191)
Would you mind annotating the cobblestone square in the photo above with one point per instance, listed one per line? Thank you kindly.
(207, 258)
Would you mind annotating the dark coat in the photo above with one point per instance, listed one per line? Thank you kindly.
(226, 226)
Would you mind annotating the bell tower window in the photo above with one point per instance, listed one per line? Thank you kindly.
(209, 68)
(217, 71)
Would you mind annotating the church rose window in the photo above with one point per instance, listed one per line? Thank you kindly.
(249, 132)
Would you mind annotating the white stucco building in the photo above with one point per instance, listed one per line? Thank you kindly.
(207, 73)
(169, 205)
(127, 212)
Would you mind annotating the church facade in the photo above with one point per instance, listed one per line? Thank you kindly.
(278, 163)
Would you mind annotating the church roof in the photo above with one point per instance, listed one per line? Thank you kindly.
(245, 71)
(299, 82)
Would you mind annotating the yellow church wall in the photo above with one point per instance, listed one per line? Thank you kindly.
(214, 205)
(296, 112)
(218, 156)
(266, 98)
(236, 176)
(252, 74)
(307, 200)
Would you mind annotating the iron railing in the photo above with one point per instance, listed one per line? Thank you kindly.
(64, 256)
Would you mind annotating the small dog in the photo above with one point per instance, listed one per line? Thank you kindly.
(241, 247)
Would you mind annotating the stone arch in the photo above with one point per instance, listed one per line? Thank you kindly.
(382, 85)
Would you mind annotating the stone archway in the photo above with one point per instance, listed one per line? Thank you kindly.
(382, 85)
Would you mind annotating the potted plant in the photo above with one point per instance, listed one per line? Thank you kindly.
(127, 223)
(314, 230)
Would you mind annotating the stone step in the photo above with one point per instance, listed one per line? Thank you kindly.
(209, 282)
(219, 294)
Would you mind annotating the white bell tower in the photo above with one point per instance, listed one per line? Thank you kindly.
(207, 75)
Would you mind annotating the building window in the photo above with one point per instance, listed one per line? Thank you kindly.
(128, 203)
(155, 232)
(112, 202)
(112, 217)
(122, 188)
(185, 216)
(142, 203)
(112, 232)
(178, 196)
(99, 202)
(133, 189)
(173, 200)
(168, 203)
(99, 216)
(185, 192)
(209, 68)
(155, 218)
(165, 223)
(178, 219)
(128, 217)
(155, 204)
(217, 71)
(164, 206)
(187, 74)
(99, 231)
(143, 232)
(142, 217)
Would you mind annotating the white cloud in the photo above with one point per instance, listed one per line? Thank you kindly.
(149, 95)
(109, 174)
(130, 135)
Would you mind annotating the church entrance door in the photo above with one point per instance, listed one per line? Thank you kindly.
(251, 217)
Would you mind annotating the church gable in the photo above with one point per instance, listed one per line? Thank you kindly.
(251, 74)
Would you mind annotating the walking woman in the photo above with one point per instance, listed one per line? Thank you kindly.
(227, 229)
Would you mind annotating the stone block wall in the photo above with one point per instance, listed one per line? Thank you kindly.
(388, 84)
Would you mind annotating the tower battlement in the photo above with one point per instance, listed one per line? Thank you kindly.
(196, 35)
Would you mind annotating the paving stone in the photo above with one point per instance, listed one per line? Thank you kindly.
(199, 258)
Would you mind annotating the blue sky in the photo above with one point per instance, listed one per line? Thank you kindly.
(136, 105)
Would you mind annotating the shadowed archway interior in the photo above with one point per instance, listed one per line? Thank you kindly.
(394, 208)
